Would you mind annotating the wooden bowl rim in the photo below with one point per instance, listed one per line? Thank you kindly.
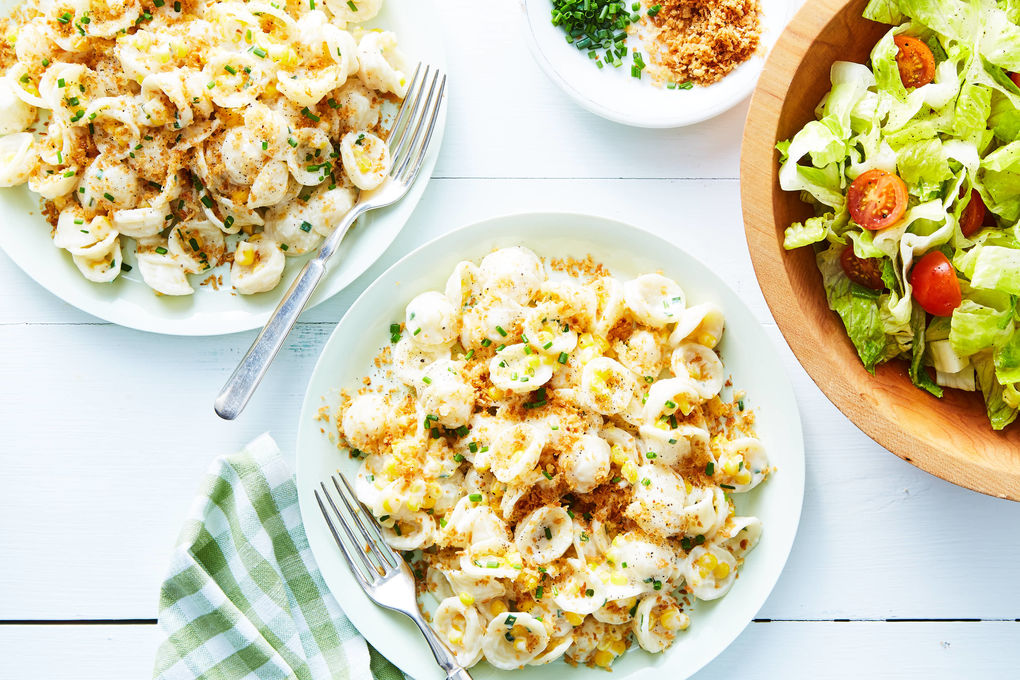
(767, 255)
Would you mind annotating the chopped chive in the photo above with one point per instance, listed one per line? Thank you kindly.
(230, 69)
(109, 197)
(467, 357)
(472, 447)
(486, 342)
(563, 357)
(309, 115)
(350, 3)
(161, 250)
(547, 476)
(710, 468)
(207, 202)
(475, 498)
(650, 455)
(427, 380)
(292, 142)
(499, 329)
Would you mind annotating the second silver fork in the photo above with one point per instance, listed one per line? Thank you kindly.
(409, 145)
(380, 571)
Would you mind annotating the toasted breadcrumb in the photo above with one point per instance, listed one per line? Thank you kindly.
(701, 41)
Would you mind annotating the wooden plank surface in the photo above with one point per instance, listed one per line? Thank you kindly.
(808, 649)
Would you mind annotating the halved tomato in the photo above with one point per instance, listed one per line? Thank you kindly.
(973, 216)
(863, 270)
(935, 285)
(877, 199)
(915, 60)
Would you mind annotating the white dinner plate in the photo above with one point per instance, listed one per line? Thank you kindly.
(25, 235)
(749, 355)
(614, 94)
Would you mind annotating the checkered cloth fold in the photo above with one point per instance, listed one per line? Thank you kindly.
(244, 597)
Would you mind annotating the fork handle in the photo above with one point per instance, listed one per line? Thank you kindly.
(249, 373)
(454, 671)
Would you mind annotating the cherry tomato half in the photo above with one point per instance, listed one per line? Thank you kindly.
(863, 270)
(877, 199)
(935, 285)
(1015, 77)
(915, 60)
(973, 217)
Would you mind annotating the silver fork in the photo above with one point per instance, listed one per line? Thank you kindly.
(409, 144)
(383, 575)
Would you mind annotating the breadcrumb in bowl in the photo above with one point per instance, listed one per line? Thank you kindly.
(702, 41)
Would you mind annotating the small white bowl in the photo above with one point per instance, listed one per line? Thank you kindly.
(614, 94)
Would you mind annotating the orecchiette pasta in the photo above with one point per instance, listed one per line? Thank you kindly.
(560, 457)
(198, 125)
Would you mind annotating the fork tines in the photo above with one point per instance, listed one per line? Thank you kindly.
(367, 553)
(415, 122)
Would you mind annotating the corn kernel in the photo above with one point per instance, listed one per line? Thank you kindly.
(413, 506)
(467, 598)
(574, 619)
(386, 505)
(181, 50)
(603, 658)
(618, 579)
(498, 607)
(687, 486)
(721, 571)
(707, 339)
(675, 620)
(743, 477)
(245, 254)
(455, 637)
(390, 468)
(630, 472)
(618, 647)
(617, 455)
(432, 494)
(239, 196)
(707, 563)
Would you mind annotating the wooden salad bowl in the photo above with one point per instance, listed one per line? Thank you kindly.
(949, 437)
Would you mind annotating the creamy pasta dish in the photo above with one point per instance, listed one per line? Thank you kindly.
(180, 123)
(549, 446)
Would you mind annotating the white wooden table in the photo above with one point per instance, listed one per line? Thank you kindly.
(106, 431)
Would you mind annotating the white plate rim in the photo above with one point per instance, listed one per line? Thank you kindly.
(342, 583)
(629, 118)
(90, 298)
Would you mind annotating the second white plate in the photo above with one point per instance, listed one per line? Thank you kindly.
(750, 357)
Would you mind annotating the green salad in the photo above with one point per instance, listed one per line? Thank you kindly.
(913, 168)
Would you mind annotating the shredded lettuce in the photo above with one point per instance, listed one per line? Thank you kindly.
(857, 306)
(957, 134)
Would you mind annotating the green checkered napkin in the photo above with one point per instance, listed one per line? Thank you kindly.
(244, 597)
